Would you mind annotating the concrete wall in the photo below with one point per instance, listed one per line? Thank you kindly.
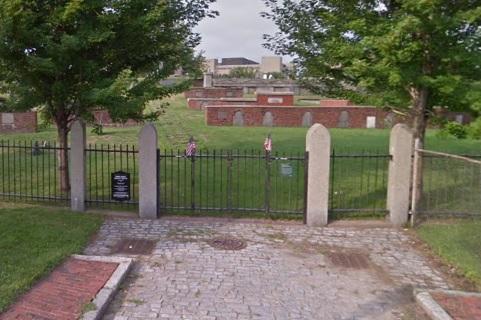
(231, 92)
(330, 117)
(271, 64)
(21, 122)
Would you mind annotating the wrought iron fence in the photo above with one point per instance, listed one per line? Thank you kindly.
(358, 183)
(29, 171)
(228, 180)
(102, 162)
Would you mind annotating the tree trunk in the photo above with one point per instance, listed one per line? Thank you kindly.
(63, 167)
(419, 123)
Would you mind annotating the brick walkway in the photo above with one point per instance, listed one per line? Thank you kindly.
(460, 307)
(63, 294)
(286, 271)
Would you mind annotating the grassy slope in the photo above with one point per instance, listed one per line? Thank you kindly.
(458, 243)
(178, 123)
(34, 240)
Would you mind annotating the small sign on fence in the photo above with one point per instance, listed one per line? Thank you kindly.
(120, 186)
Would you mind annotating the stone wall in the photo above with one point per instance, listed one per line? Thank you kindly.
(330, 117)
(214, 93)
(18, 122)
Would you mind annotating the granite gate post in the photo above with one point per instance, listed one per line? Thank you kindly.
(78, 167)
(148, 171)
(400, 173)
(318, 145)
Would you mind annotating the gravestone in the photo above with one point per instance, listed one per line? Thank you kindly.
(307, 119)
(238, 119)
(371, 122)
(389, 120)
(8, 118)
(343, 120)
(268, 120)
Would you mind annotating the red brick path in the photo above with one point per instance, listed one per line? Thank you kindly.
(63, 293)
(460, 307)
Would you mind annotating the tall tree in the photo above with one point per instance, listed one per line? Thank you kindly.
(69, 57)
(412, 54)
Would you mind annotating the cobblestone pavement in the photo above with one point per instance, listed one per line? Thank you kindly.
(286, 271)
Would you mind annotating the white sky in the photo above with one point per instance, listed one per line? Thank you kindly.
(237, 31)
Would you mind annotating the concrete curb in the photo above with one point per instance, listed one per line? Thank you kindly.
(431, 307)
(105, 295)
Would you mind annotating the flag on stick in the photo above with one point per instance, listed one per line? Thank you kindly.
(268, 143)
(191, 148)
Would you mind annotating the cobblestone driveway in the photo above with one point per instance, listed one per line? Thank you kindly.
(284, 272)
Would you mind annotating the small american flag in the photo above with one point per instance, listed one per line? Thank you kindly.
(191, 148)
(268, 144)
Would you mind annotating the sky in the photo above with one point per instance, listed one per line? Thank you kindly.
(237, 31)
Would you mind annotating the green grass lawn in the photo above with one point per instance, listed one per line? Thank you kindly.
(458, 243)
(356, 182)
(179, 123)
(33, 241)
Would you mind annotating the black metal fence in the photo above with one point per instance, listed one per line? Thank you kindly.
(228, 180)
(29, 171)
(102, 161)
(213, 180)
(358, 183)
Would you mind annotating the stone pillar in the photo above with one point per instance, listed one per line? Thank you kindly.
(318, 144)
(208, 80)
(148, 171)
(400, 173)
(78, 168)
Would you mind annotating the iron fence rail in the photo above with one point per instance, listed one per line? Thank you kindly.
(232, 180)
(28, 171)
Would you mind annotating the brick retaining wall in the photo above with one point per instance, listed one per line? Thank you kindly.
(330, 117)
(18, 122)
(200, 103)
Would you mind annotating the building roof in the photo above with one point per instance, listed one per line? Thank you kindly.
(236, 62)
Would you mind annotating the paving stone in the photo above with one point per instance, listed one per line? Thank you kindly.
(283, 272)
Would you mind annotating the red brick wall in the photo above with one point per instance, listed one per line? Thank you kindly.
(293, 116)
(215, 92)
(200, 103)
(21, 122)
(335, 103)
(103, 117)
(276, 99)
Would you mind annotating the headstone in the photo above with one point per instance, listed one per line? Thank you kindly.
(371, 122)
(208, 80)
(268, 120)
(343, 120)
(307, 119)
(120, 182)
(238, 119)
(459, 118)
(8, 118)
(286, 170)
(389, 120)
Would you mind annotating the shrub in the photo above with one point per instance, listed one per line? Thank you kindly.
(474, 129)
(455, 129)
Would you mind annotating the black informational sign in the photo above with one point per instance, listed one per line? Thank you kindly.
(120, 186)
